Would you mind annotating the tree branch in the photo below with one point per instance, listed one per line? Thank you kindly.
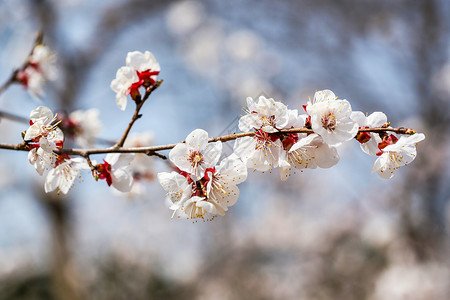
(152, 150)
(136, 114)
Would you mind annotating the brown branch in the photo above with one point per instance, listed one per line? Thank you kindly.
(136, 114)
(13, 117)
(12, 79)
(152, 150)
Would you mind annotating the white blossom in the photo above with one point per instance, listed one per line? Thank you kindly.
(142, 165)
(143, 62)
(196, 154)
(63, 175)
(44, 129)
(115, 170)
(308, 152)
(86, 126)
(265, 114)
(260, 152)
(43, 137)
(141, 70)
(330, 118)
(179, 190)
(40, 159)
(396, 155)
(222, 190)
(374, 120)
(41, 66)
(125, 77)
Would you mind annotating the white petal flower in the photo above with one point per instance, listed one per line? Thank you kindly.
(179, 190)
(374, 120)
(41, 160)
(196, 154)
(43, 123)
(33, 80)
(43, 136)
(142, 70)
(308, 152)
(115, 170)
(396, 155)
(40, 67)
(85, 126)
(43, 59)
(142, 62)
(62, 176)
(259, 152)
(125, 77)
(222, 191)
(197, 208)
(323, 96)
(331, 118)
(265, 114)
(142, 165)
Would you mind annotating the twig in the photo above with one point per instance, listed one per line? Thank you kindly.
(12, 79)
(136, 114)
(152, 150)
(89, 162)
(13, 117)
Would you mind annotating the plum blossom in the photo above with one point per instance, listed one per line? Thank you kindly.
(141, 70)
(44, 129)
(40, 66)
(41, 160)
(265, 114)
(43, 137)
(308, 152)
(330, 118)
(396, 153)
(123, 85)
(304, 151)
(142, 165)
(369, 140)
(62, 176)
(115, 170)
(145, 64)
(207, 197)
(178, 188)
(222, 181)
(196, 154)
(83, 126)
(260, 152)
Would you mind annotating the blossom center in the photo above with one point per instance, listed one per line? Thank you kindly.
(264, 139)
(195, 158)
(329, 121)
(267, 120)
(104, 172)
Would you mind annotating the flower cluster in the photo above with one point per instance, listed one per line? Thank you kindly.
(43, 137)
(39, 67)
(200, 187)
(141, 70)
(332, 122)
(270, 148)
(83, 126)
(393, 152)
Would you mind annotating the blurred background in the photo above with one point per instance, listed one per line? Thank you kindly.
(340, 233)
